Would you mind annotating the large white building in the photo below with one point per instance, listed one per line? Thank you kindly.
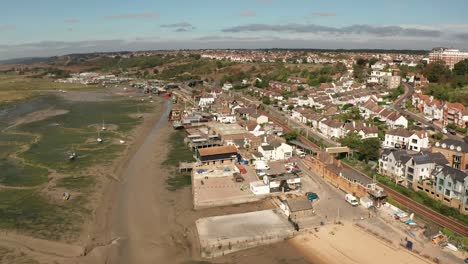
(405, 139)
(449, 56)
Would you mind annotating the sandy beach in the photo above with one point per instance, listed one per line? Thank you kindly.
(348, 244)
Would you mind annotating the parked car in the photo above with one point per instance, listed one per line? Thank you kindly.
(311, 196)
(451, 131)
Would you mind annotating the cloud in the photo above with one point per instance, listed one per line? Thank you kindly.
(320, 14)
(7, 27)
(177, 25)
(71, 20)
(461, 36)
(180, 27)
(132, 15)
(382, 31)
(248, 13)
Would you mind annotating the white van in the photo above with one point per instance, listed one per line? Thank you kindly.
(351, 200)
(300, 153)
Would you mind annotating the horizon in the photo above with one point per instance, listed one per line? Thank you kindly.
(141, 25)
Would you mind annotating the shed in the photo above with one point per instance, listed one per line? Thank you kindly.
(297, 207)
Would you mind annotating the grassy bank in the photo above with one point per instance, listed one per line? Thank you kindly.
(178, 152)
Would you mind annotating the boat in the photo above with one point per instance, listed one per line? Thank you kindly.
(99, 139)
(72, 155)
(103, 126)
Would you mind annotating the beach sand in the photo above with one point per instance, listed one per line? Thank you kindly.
(348, 244)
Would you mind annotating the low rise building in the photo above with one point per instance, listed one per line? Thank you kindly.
(217, 155)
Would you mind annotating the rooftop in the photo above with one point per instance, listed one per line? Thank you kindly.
(217, 150)
(299, 204)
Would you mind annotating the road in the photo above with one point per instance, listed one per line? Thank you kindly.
(398, 105)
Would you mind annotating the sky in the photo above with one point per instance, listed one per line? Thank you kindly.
(30, 28)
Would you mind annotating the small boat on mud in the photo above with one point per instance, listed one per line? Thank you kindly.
(72, 155)
(99, 139)
(104, 128)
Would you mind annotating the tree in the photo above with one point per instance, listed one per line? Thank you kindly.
(373, 61)
(289, 136)
(369, 149)
(339, 67)
(352, 141)
(266, 100)
(437, 72)
(461, 68)
(438, 136)
(290, 107)
(361, 62)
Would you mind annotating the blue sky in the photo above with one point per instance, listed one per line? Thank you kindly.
(54, 27)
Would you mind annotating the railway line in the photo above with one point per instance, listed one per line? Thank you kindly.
(416, 207)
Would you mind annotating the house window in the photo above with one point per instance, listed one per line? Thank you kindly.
(456, 161)
(449, 184)
(414, 141)
(447, 192)
(441, 182)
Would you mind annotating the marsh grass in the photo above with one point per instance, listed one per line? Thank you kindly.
(30, 212)
(178, 151)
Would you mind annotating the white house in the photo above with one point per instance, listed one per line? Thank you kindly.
(276, 151)
(227, 86)
(226, 119)
(395, 120)
(405, 139)
(206, 101)
(259, 118)
(331, 128)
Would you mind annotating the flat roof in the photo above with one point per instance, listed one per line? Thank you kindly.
(299, 204)
(227, 129)
(217, 150)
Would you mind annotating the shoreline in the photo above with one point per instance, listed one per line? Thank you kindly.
(101, 224)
